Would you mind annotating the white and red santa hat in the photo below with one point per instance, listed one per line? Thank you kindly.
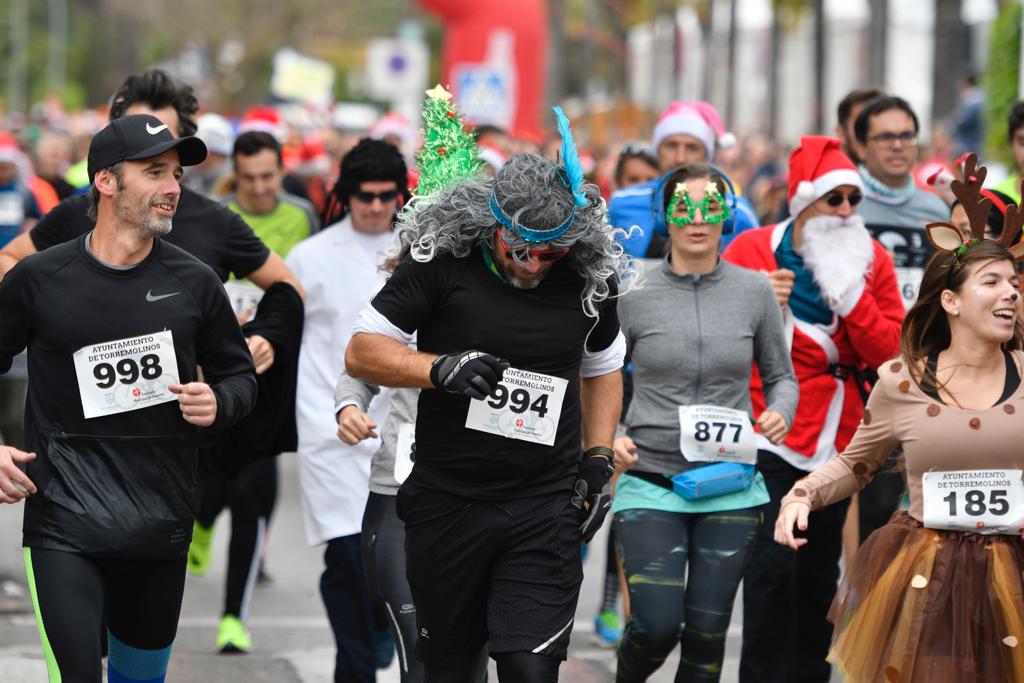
(263, 118)
(696, 119)
(817, 167)
(396, 125)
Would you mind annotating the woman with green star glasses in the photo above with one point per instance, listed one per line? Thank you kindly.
(694, 331)
(682, 208)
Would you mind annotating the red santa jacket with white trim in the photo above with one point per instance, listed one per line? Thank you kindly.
(830, 408)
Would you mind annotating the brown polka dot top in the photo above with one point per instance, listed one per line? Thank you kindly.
(935, 437)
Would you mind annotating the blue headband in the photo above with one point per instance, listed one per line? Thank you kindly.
(572, 177)
(525, 233)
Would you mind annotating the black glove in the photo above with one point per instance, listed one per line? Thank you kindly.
(470, 373)
(594, 488)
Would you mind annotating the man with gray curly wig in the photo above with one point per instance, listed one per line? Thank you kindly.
(510, 285)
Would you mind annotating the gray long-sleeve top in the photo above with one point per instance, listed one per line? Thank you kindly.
(351, 391)
(693, 340)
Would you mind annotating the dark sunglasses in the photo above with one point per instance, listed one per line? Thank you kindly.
(836, 199)
(539, 254)
(368, 197)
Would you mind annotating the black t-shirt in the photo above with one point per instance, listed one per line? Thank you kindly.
(120, 483)
(457, 304)
(212, 233)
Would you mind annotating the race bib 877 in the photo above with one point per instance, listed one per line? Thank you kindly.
(710, 433)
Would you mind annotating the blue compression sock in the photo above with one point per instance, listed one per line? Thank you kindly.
(127, 664)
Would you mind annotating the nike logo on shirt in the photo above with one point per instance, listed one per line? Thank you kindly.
(151, 297)
(154, 130)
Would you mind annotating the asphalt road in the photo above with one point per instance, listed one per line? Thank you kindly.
(291, 638)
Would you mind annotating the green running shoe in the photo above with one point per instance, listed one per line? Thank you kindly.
(200, 552)
(608, 628)
(232, 637)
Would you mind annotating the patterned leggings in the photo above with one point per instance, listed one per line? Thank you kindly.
(656, 548)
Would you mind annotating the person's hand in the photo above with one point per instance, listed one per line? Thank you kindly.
(592, 492)
(782, 284)
(625, 453)
(470, 373)
(794, 513)
(773, 426)
(14, 484)
(262, 353)
(197, 401)
(354, 425)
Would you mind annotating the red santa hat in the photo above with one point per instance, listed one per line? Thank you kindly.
(396, 125)
(696, 119)
(263, 118)
(817, 167)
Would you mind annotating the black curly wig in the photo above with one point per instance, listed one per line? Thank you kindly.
(370, 160)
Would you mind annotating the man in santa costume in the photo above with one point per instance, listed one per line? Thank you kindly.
(843, 311)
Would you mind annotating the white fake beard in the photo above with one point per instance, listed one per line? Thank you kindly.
(838, 252)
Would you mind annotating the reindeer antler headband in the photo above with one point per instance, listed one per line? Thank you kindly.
(947, 238)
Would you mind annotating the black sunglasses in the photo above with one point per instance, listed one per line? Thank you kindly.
(368, 197)
(836, 199)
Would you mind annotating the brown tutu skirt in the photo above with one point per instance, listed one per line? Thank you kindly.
(919, 605)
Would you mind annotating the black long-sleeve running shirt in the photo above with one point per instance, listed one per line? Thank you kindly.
(118, 482)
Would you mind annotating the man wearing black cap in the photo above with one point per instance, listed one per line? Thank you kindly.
(116, 322)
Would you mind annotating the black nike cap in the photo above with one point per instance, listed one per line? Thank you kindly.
(140, 136)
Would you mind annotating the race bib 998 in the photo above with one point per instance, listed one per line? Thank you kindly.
(982, 501)
(126, 374)
(524, 405)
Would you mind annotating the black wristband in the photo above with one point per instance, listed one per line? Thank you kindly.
(600, 452)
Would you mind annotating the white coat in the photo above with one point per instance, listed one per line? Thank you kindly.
(338, 268)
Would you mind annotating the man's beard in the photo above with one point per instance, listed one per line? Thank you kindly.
(132, 211)
(522, 283)
(838, 252)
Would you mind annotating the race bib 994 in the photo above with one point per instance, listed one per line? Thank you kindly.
(524, 405)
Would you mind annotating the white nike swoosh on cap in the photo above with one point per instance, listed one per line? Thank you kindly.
(151, 297)
(153, 131)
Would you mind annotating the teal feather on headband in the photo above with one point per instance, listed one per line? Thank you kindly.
(571, 158)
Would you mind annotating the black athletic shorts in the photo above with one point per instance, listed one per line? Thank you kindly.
(506, 572)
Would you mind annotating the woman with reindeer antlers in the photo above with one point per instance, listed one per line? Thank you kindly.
(936, 595)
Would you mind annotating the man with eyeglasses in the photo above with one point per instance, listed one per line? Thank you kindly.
(338, 267)
(509, 284)
(843, 313)
(895, 209)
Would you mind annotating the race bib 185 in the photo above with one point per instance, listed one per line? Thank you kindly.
(716, 434)
(524, 405)
(126, 374)
(982, 501)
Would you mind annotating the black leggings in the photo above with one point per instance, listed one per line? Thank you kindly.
(666, 606)
(383, 550)
(139, 600)
(513, 667)
(251, 496)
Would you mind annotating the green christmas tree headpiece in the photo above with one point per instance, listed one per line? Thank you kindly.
(449, 154)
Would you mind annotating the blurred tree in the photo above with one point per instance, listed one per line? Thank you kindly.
(1001, 79)
(952, 61)
(110, 39)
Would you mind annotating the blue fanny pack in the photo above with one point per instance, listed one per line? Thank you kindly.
(710, 481)
(713, 480)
